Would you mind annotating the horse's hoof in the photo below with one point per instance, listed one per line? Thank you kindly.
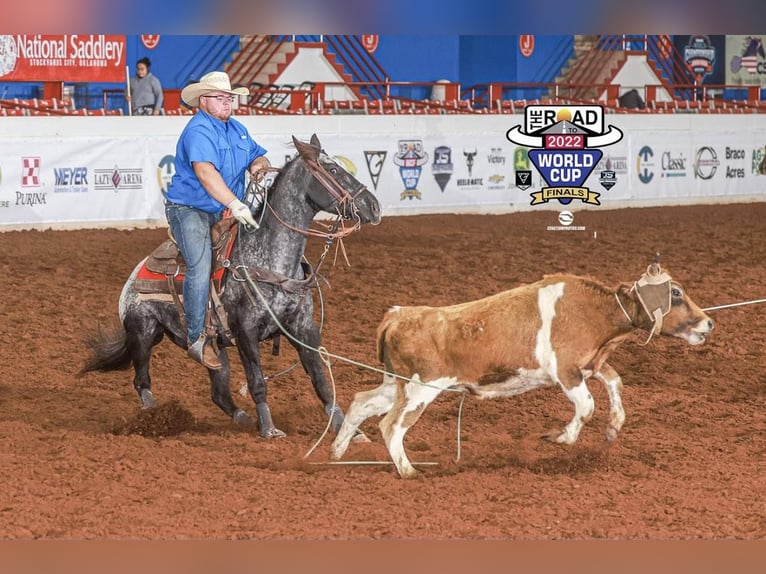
(611, 433)
(273, 432)
(242, 419)
(147, 399)
(360, 437)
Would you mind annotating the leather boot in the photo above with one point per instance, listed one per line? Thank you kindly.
(204, 353)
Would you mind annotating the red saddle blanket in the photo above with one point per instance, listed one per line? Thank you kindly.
(166, 264)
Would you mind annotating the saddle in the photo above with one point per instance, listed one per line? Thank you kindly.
(162, 274)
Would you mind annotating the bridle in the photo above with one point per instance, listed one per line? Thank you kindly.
(653, 291)
(343, 198)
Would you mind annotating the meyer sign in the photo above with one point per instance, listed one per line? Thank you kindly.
(76, 57)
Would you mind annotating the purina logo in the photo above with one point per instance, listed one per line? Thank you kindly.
(30, 172)
(564, 142)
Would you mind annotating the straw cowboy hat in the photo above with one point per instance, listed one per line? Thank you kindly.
(211, 82)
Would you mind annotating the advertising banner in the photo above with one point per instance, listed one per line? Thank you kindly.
(745, 60)
(417, 165)
(62, 58)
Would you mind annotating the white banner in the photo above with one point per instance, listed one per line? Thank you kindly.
(66, 172)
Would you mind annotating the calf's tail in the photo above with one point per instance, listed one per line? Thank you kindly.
(108, 351)
(381, 335)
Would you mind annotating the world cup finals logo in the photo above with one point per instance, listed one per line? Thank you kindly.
(564, 142)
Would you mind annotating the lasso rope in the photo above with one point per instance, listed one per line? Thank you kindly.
(734, 305)
(323, 353)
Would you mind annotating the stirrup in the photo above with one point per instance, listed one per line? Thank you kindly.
(204, 352)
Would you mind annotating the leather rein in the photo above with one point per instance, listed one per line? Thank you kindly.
(342, 197)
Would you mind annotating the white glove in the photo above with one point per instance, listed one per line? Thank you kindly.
(242, 213)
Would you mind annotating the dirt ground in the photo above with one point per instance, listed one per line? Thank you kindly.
(80, 460)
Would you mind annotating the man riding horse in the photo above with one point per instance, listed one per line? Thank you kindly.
(212, 154)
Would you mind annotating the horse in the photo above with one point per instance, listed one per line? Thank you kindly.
(265, 289)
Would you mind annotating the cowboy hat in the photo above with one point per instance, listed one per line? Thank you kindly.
(210, 82)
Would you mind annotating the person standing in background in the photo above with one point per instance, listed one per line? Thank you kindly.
(145, 97)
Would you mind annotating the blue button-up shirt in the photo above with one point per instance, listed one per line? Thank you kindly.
(227, 145)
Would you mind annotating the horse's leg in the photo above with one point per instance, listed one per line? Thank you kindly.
(221, 393)
(142, 334)
(310, 339)
(256, 385)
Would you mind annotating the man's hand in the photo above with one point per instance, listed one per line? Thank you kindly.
(242, 213)
(258, 169)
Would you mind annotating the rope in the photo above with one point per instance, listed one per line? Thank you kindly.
(324, 353)
(333, 355)
(735, 305)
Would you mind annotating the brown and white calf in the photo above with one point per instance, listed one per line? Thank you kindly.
(558, 331)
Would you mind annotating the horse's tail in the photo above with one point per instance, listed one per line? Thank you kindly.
(108, 351)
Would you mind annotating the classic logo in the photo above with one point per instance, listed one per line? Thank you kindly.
(30, 172)
(375, 160)
(118, 179)
(410, 158)
(673, 165)
(70, 179)
(442, 166)
(705, 163)
(564, 142)
(645, 164)
(165, 171)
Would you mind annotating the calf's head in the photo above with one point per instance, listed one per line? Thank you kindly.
(667, 309)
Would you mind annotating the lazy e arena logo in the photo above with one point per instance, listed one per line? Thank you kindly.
(564, 142)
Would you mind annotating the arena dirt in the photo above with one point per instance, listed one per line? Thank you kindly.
(81, 460)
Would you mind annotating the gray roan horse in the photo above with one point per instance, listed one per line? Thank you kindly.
(308, 183)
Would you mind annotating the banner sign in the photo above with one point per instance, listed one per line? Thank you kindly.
(745, 60)
(56, 58)
(115, 171)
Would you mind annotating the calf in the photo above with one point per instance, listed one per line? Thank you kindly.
(558, 331)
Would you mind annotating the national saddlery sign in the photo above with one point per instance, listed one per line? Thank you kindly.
(67, 58)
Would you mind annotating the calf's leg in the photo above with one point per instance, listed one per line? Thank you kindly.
(366, 404)
(411, 400)
(613, 383)
(584, 406)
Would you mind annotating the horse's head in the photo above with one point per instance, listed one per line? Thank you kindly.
(334, 189)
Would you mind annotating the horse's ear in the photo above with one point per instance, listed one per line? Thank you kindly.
(315, 141)
(306, 151)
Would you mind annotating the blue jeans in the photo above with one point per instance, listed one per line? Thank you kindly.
(191, 230)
